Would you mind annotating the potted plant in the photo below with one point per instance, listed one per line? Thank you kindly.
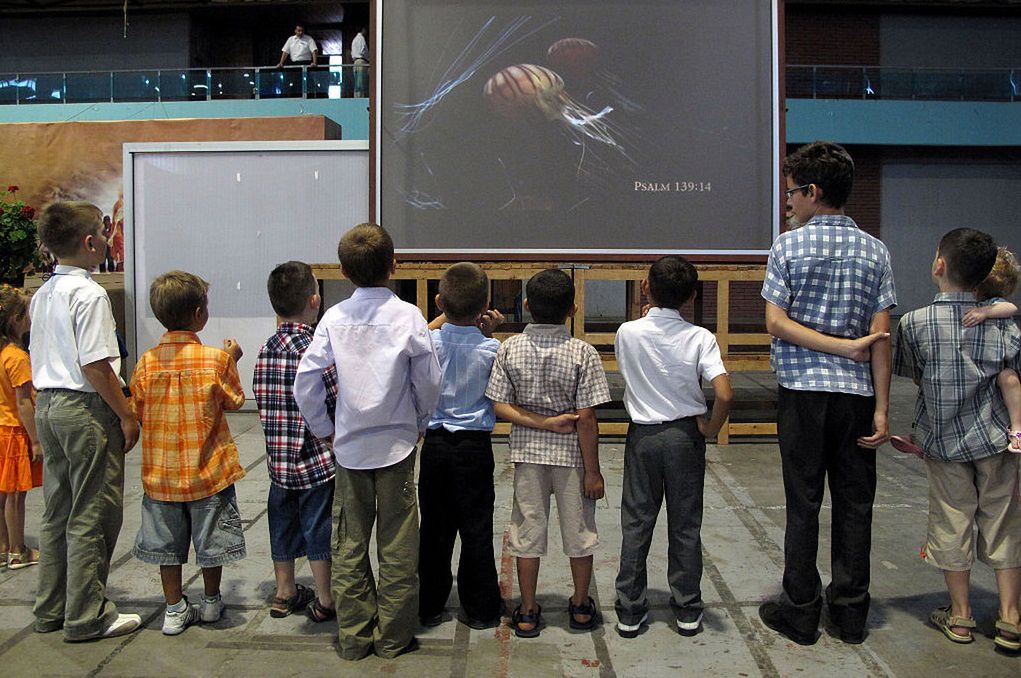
(19, 242)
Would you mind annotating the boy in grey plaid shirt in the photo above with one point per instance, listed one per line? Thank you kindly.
(546, 383)
(961, 423)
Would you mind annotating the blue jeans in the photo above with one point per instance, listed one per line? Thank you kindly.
(300, 522)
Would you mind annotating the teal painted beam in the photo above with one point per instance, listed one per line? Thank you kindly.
(351, 114)
(905, 123)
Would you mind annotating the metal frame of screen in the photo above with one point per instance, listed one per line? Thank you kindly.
(377, 185)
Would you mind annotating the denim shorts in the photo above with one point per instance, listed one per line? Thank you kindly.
(300, 522)
(212, 524)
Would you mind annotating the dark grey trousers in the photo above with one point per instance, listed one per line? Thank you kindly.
(662, 459)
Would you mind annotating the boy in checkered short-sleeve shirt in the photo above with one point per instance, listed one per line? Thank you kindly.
(547, 384)
(961, 423)
(180, 391)
(829, 290)
(301, 466)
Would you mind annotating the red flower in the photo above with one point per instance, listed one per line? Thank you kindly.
(12, 189)
(28, 212)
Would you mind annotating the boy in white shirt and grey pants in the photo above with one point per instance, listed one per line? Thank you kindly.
(388, 382)
(662, 358)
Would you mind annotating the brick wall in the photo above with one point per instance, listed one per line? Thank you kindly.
(820, 34)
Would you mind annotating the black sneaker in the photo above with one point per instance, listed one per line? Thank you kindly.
(479, 624)
(775, 617)
(689, 622)
(434, 620)
(632, 630)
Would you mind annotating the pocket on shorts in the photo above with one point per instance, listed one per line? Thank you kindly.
(230, 516)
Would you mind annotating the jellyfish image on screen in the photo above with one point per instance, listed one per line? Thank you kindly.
(578, 60)
(517, 91)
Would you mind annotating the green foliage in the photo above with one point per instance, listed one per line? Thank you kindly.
(19, 241)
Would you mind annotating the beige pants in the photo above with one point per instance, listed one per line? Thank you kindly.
(83, 485)
(964, 496)
(372, 614)
(533, 486)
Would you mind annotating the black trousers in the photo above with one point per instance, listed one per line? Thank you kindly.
(456, 497)
(817, 433)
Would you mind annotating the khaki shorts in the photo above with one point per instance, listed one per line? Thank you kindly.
(966, 495)
(533, 485)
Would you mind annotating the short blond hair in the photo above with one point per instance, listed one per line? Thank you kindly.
(63, 226)
(174, 296)
(1002, 280)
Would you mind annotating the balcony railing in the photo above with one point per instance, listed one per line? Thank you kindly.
(185, 84)
(923, 84)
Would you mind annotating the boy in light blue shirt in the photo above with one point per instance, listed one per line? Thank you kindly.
(455, 484)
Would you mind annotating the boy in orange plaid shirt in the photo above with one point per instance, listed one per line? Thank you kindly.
(180, 390)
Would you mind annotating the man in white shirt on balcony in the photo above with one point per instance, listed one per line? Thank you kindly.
(301, 49)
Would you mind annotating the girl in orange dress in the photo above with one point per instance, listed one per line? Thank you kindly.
(21, 455)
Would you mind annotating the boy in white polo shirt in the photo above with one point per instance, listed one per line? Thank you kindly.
(85, 424)
(662, 357)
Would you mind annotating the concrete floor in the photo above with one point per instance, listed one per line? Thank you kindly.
(742, 536)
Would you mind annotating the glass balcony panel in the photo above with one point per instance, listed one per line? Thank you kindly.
(10, 84)
(234, 83)
(136, 86)
(84, 87)
(42, 88)
(279, 83)
(799, 82)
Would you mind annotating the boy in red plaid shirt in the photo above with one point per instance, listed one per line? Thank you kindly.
(301, 466)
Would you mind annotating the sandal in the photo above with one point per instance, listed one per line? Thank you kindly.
(947, 622)
(907, 445)
(317, 613)
(283, 607)
(589, 608)
(25, 558)
(1014, 441)
(1005, 629)
(533, 618)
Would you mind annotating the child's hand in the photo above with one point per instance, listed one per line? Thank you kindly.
(37, 451)
(562, 423)
(129, 427)
(594, 485)
(490, 320)
(860, 350)
(233, 348)
(975, 316)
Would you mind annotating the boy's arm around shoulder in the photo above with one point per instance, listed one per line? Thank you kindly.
(998, 309)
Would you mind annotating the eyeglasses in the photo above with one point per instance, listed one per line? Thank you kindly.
(790, 191)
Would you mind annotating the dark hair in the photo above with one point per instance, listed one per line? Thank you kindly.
(550, 295)
(290, 285)
(63, 226)
(464, 290)
(825, 164)
(174, 296)
(671, 281)
(1002, 279)
(13, 307)
(366, 252)
(969, 255)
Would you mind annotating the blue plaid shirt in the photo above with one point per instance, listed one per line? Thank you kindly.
(832, 277)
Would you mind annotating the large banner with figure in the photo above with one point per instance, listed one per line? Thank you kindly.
(578, 126)
(82, 160)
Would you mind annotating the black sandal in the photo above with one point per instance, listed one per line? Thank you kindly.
(588, 608)
(533, 618)
(317, 613)
(298, 601)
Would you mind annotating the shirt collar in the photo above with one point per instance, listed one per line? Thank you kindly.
(62, 269)
(180, 337)
(288, 327)
(547, 330)
(831, 220)
(450, 328)
(660, 312)
(372, 293)
(955, 298)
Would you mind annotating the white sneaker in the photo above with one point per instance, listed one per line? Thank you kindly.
(122, 626)
(690, 628)
(631, 630)
(176, 622)
(212, 608)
